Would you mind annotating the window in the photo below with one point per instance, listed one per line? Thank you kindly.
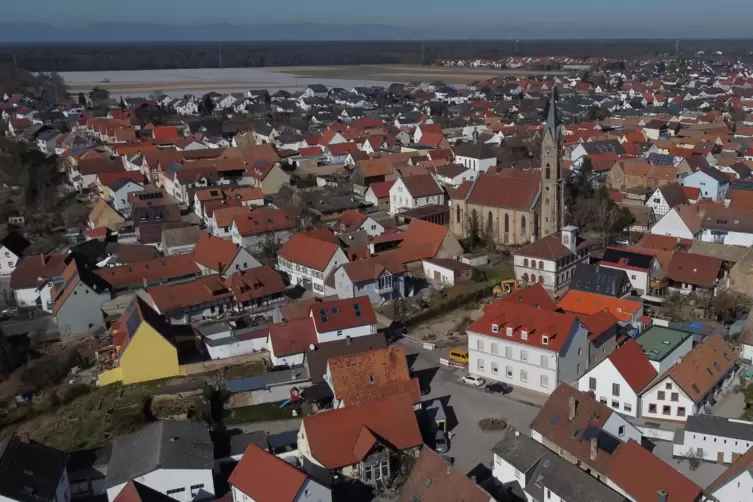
(495, 348)
(666, 410)
(660, 395)
(480, 365)
(577, 369)
(580, 350)
(545, 340)
(627, 407)
(544, 381)
(592, 383)
(541, 265)
(632, 277)
(652, 408)
(385, 470)
(523, 355)
(523, 226)
(544, 362)
(508, 372)
(668, 386)
(508, 352)
(339, 333)
(680, 411)
(603, 400)
(524, 335)
(457, 214)
(172, 492)
(621, 430)
(616, 389)
(495, 369)
(507, 222)
(523, 376)
(525, 262)
(367, 474)
(508, 331)
(480, 345)
(675, 396)
(195, 489)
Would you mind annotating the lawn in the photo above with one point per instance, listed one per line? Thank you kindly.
(258, 413)
(255, 368)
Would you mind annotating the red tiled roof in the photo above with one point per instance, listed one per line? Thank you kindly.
(350, 221)
(532, 296)
(511, 192)
(381, 189)
(421, 185)
(633, 365)
(165, 132)
(641, 474)
(266, 478)
(597, 323)
(214, 253)
(134, 491)
(308, 251)
(537, 323)
(695, 269)
(255, 283)
(425, 235)
(203, 290)
(336, 315)
(345, 436)
(33, 270)
(262, 219)
(447, 484)
(159, 269)
(292, 337)
(582, 302)
(369, 269)
(663, 242)
(109, 178)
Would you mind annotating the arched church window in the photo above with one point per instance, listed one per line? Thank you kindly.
(457, 213)
(523, 225)
(507, 223)
(548, 172)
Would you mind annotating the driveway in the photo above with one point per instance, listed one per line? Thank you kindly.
(465, 406)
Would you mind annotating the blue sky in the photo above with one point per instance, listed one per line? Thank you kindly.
(652, 16)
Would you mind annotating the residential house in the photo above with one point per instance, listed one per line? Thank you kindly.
(268, 176)
(260, 476)
(176, 241)
(256, 288)
(728, 226)
(423, 240)
(343, 318)
(307, 260)
(368, 172)
(694, 384)
(453, 175)
(477, 157)
(665, 346)
(119, 191)
(680, 222)
(581, 430)
(222, 340)
(586, 304)
(144, 347)
(378, 194)
(619, 380)
(446, 271)
(203, 298)
(627, 175)
(525, 468)
(380, 278)
(12, 250)
(712, 183)
(134, 491)
(289, 341)
(736, 482)
(527, 347)
(690, 273)
(713, 438)
(352, 221)
(172, 457)
(166, 270)
(261, 230)
(104, 215)
(667, 197)
(77, 303)
(220, 256)
(551, 261)
(32, 471)
(600, 280)
(503, 206)
(431, 478)
(413, 192)
(33, 279)
(362, 442)
(641, 267)
(369, 376)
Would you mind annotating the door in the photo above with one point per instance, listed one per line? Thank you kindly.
(437, 276)
(720, 457)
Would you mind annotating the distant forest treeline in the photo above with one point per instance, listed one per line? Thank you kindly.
(154, 56)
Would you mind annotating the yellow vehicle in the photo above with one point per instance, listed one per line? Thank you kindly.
(459, 356)
(506, 287)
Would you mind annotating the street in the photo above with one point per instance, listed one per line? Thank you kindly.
(466, 405)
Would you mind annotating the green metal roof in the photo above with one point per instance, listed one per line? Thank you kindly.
(658, 341)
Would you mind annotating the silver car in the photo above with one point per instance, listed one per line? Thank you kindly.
(441, 443)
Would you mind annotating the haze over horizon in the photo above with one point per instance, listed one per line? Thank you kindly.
(52, 20)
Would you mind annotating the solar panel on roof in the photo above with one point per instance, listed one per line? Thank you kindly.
(661, 159)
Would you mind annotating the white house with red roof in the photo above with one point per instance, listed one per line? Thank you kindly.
(415, 191)
(353, 220)
(343, 319)
(309, 261)
(527, 346)
(379, 194)
(619, 379)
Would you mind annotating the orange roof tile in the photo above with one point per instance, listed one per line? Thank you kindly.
(255, 283)
(633, 365)
(581, 302)
(266, 478)
(203, 290)
(156, 270)
(336, 315)
(262, 219)
(292, 337)
(308, 251)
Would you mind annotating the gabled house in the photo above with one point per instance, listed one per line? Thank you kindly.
(262, 229)
(342, 319)
(368, 376)
(188, 302)
(694, 383)
(167, 270)
(262, 477)
(381, 278)
(352, 220)
(413, 192)
(667, 197)
(371, 171)
(712, 183)
(12, 249)
(172, 457)
(365, 442)
(641, 267)
(476, 157)
(378, 194)
(582, 303)
(681, 222)
(256, 288)
(31, 471)
(143, 347)
(32, 280)
(728, 226)
(77, 303)
(689, 273)
(214, 255)
(307, 260)
(134, 491)
(619, 380)
(600, 280)
(528, 347)
(713, 439)
(736, 482)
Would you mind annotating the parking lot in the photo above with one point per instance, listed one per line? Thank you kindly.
(466, 405)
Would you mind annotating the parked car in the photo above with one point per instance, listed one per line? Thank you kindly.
(473, 381)
(441, 443)
(498, 388)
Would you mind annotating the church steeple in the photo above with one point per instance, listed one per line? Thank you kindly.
(551, 119)
(550, 209)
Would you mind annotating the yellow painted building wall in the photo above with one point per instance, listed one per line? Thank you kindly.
(148, 356)
(111, 376)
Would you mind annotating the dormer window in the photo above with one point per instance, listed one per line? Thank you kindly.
(509, 331)
(545, 340)
(524, 335)
(495, 328)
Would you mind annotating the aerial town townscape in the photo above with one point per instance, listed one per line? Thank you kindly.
(530, 287)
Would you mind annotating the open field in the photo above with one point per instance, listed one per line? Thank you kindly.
(292, 78)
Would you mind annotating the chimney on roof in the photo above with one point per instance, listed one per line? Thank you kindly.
(348, 340)
(23, 437)
(143, 279)
(572, 406)
(594, 448)
(661, 496)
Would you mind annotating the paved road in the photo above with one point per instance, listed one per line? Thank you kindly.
(469, 444)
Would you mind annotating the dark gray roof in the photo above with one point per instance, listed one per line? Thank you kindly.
(673, 194)
(605, 146)
(237, 444)
(719, 426)
(475, 151)
(15, 243)
(89, 464)
(601, 280)
(519, 450)
(568, 482)
(29, 471)
(716, 174)
(167, 444)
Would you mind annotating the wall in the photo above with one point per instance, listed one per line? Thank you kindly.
(651, 397)
(163, 480)
(672, 225)
(81, 312)
(111, 376)
(737, 489)
(238, 348)
(729, 238)
(329, 336)
(605, 375)
(708, 446)
(617, 426)
(291, 360)
(63, 491)
(148, 356)
(272, 394)
(8, 261)
(26, 297)
(459, 226)
(674, 356)
(242, 261)
(638, 279)
(447, 276)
